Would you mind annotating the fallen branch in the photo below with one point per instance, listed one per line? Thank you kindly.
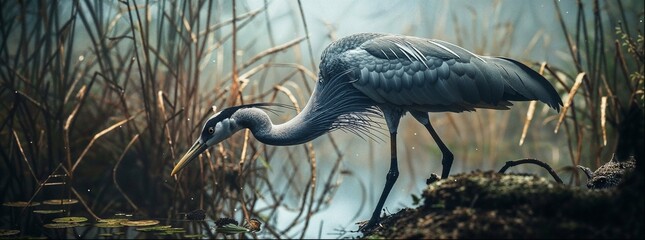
(532, 161)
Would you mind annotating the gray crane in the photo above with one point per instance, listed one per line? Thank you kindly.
(370, 74)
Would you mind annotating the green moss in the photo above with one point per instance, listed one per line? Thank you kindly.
(492, 205)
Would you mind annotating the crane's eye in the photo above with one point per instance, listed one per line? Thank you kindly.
(211, 130)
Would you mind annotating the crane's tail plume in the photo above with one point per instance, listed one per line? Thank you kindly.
(523, 83)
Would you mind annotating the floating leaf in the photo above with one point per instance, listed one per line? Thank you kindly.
(194, 236)
(60, 201)
(123, 214)
(113, 220)
(231, 229)
(155, 228)
(62, 225)
(20, 204)
(69, 220)
(140, 223)
(108, 225)
(8, 232)
(44, 211)
(175, 230)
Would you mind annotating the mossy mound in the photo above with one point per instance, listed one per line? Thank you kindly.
(492, 205)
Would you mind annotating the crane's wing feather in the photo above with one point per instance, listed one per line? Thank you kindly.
(433, 75)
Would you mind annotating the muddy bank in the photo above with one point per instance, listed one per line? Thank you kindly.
(492, 205)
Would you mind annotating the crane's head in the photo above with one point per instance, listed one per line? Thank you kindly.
(217, 128)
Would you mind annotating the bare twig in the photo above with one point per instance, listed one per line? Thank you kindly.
(531, 161)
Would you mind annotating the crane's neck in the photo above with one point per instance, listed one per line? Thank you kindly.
(299, 129)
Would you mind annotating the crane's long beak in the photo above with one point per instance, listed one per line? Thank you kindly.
(192, 153)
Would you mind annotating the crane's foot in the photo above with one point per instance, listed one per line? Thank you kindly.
(370, 225)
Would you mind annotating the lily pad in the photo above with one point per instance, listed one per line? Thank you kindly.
(108, 225)
(194, 236)
(113, 220)
(175, 230)
(140, 223)
(20, 204)
(60, 201)
(44, 211)
(62, 225)
(8, 232)
(69, 220)
(155, 228)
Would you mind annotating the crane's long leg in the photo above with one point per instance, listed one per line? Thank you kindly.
(392, 119)
(390, 179)
(447, 157)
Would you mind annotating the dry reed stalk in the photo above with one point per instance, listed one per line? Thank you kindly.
(569, 101)
(529, 117)
(531, 110)
(115, 169)
(271, 51)
(160, 103)
(603, 119)
(24, 157)
(99, 135)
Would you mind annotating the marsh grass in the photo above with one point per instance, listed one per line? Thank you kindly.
(108, 94)
(111, 93)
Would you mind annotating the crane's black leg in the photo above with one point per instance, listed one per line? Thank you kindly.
(392, 118)
(446, 159)
(390, 179)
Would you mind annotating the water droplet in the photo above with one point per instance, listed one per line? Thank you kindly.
(16, 92)
(188, 119)
(31, 142)
(415, 134)
(213, 60)
(88, 190)
(412, 148)
(357, 154)
(134, 58)
(81, 58)
(192, 198)
(235, 210)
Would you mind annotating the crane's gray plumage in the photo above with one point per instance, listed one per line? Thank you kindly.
(369, 74)
(431, 76)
